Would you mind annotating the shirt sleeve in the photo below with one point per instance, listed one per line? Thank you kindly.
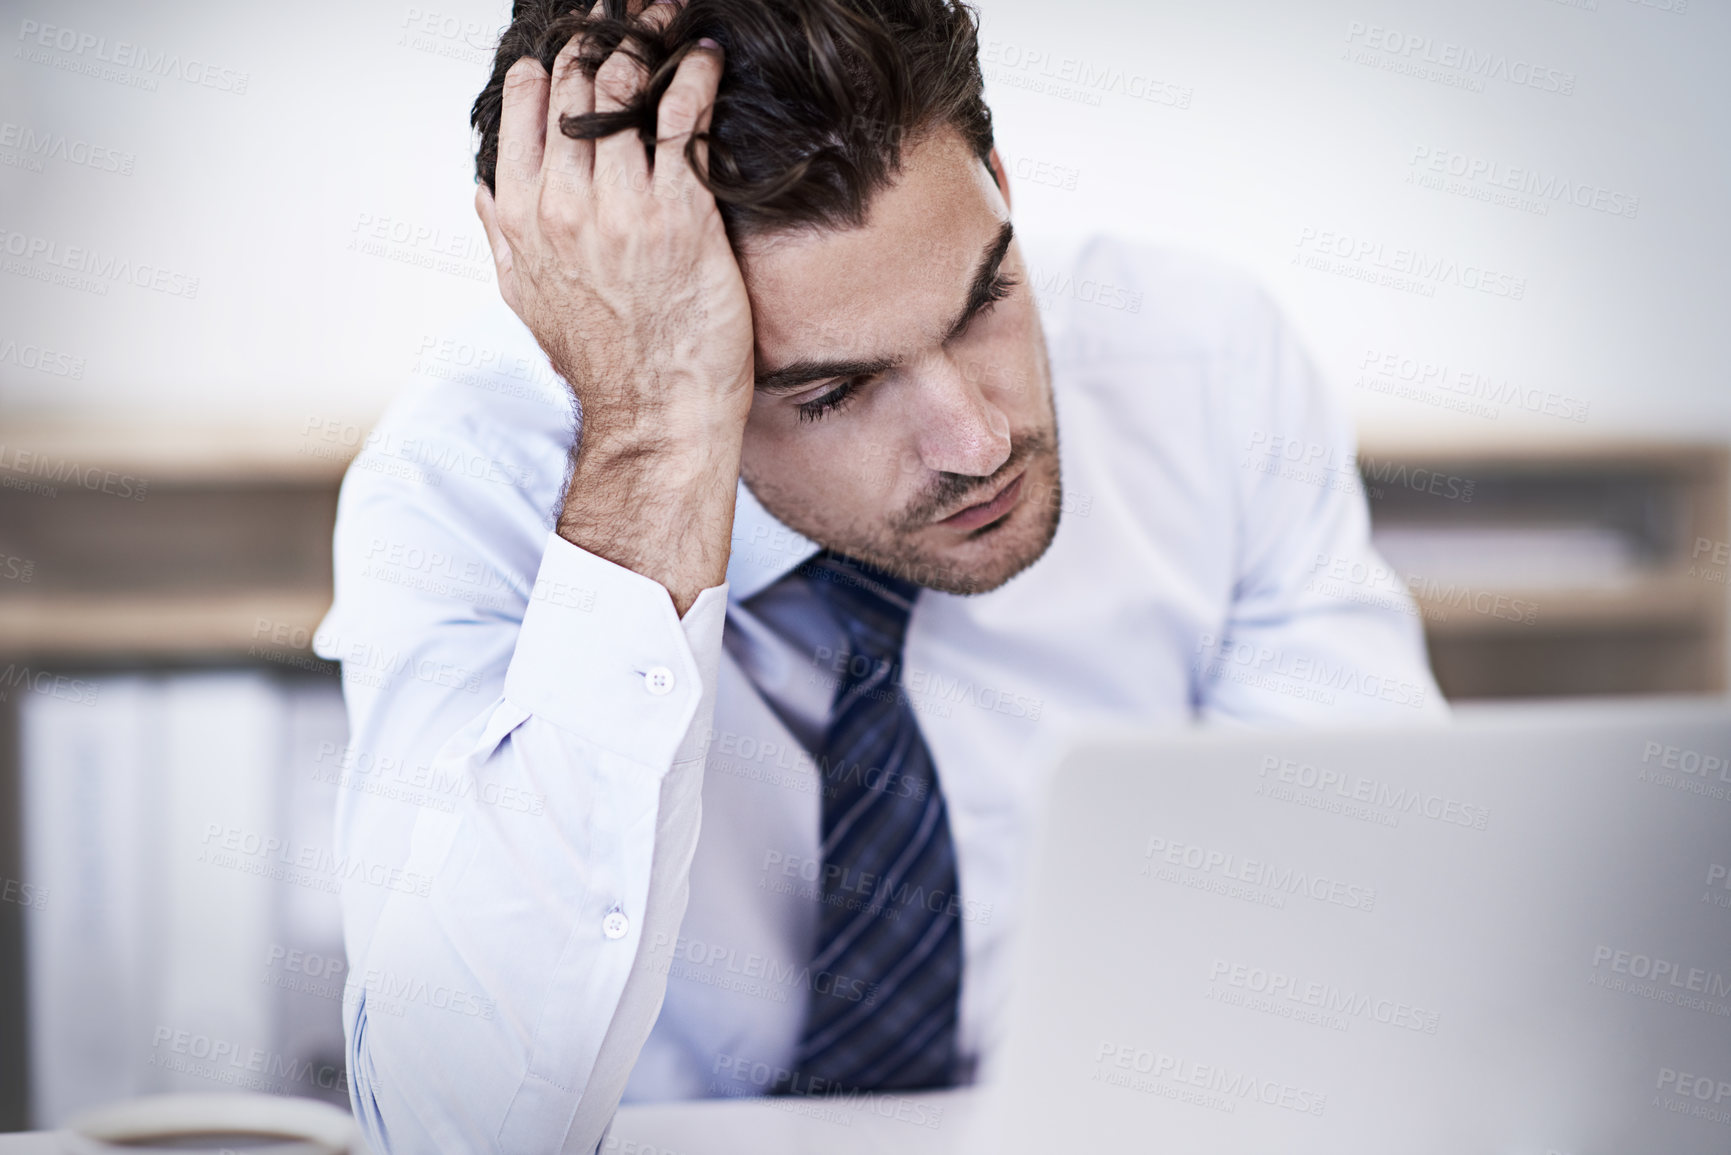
(1320, 628)
(521, 817)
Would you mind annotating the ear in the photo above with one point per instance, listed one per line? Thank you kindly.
(1000, 177)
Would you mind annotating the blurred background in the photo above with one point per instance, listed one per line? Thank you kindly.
(230, 232)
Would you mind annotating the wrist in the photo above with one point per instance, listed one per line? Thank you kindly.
(659, 459)
(658, 502)
(678, 427)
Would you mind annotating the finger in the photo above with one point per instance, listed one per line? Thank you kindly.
(685, 109)
(522, 126)
(503, 261)
(621, 162)
(657, 13)
(573, 94)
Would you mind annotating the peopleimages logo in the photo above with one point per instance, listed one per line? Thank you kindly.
(1662, 972)
(1476, 390)
(1117, 1064)
(87, 53)
(1369, 259)
(34, 147)
(1687, 761)
(226, 1061)
(41, 359)
(88, 269)
(1328, 998)
(77, 691)
(1682, 1092)
(746, 1075)
(1691, 771)
(1041, 70)
(1370, 791)
(1545, 187)
(1718, 878)
(1283, 671)
(1471, 67)
(1257, 873)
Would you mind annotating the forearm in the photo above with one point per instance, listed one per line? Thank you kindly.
(500, 1001)
(495, 1013)
(658, 503)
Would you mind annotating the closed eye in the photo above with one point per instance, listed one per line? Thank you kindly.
(821, 406)
(1000, 287)
(985, 296)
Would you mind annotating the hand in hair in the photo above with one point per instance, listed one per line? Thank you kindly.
(620, 266)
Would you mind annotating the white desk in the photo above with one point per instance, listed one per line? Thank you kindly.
(930, 1123)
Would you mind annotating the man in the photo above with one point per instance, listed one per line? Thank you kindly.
(698, 747)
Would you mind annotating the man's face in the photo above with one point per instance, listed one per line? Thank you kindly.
(903, 382)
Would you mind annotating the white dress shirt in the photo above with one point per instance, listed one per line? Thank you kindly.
(540, 923)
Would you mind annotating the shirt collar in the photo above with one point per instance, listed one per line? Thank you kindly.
(763, 548)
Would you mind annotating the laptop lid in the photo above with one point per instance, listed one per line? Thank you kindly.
(1509, 934)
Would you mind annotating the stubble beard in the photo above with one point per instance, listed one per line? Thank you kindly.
(1021, 537)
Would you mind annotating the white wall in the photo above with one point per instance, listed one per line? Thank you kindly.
(274, 140)
(1286, 132)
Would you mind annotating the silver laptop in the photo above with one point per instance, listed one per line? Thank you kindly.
(1509, 935)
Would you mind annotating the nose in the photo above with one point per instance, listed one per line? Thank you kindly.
(959, 428)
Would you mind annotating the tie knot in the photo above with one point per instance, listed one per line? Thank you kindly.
(872, 605)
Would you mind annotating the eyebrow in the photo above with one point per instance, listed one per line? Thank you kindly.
(792, 377)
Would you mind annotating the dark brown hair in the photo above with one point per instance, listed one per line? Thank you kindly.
(817, 97)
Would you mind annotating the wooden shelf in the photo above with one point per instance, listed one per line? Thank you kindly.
(183, 454)
(237, 525)
(1663, 629)
(1667, 601)
(167, 544)
(1522, 451)
(104, 627)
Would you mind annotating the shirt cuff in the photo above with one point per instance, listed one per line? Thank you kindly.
(602, 654)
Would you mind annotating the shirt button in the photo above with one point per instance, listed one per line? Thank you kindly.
(658, 680)
(615, 924)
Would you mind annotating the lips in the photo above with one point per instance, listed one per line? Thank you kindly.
(975, 516)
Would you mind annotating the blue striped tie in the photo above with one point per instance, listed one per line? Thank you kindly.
(887, 970)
